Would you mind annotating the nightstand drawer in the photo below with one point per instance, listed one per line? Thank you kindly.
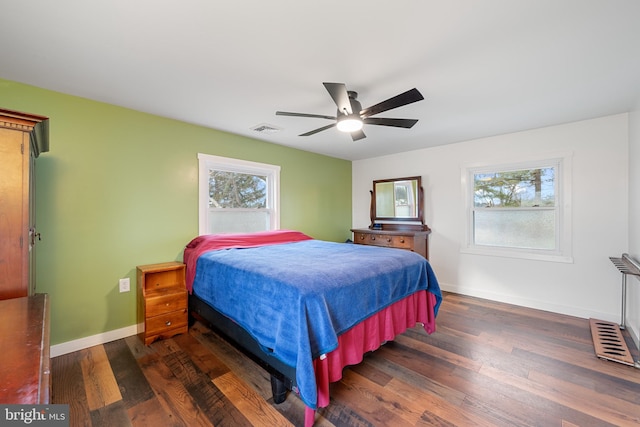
(161, 303)
(158, 324)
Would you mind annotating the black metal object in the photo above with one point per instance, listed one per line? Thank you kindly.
(282, 376)
(347, 105)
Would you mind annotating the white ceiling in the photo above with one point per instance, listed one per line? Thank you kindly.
(485, 67)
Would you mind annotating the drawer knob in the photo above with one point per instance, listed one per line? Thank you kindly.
(401, 240)
(388, 239)
(373, 237)
(168, 323)
(361, 237)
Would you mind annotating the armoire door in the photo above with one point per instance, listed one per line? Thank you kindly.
(23, 137)
(14, 213)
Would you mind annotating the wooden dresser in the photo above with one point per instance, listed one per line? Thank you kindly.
(24, 359)
(162, 301)
(397, 217)
(416, 241)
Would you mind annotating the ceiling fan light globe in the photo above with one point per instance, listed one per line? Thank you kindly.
(349, 124)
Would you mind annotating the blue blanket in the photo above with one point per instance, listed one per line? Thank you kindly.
(296, 298)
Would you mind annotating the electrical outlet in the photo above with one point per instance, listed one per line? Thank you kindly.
(125, 285)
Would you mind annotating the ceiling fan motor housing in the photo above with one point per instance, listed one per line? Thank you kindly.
(356, 107)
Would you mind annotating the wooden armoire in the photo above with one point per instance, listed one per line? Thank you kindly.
(23, 137)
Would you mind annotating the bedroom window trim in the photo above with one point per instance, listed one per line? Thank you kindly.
(207, 162)
(562, 252)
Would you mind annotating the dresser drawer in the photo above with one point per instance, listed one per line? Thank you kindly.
(402, 242)
(388, 240)
(363, 239)
(164, 302)
(372, 239)
(158, 324)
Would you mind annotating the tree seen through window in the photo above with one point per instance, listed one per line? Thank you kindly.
(520, 188)
(234, 190)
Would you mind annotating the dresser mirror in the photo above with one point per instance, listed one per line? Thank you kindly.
(397, 199)
(397, 219)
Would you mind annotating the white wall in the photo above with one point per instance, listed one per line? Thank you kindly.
(633, 291)
(588, 287)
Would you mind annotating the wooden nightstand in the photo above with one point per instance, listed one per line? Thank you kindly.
(162, 301)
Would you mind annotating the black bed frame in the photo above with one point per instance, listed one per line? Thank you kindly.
(282, 376)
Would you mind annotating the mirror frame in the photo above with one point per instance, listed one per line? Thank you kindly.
(420, 200)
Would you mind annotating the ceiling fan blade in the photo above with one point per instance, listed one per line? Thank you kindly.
(398, 123)
(318, 116)
(358, 135)
(313, 132)
(408, 97)
(338, 92)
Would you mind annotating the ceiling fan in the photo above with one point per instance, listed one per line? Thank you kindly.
(350, 116)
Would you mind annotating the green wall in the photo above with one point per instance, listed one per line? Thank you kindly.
(118, 188)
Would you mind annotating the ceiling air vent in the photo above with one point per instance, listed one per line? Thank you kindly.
(266, 128)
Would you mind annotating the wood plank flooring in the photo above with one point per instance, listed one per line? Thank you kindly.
(488, 364)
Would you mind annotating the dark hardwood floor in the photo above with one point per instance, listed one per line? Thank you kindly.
(488, 364)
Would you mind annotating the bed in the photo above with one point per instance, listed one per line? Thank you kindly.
(306, 308)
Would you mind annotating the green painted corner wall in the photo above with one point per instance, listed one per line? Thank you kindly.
(118, 189)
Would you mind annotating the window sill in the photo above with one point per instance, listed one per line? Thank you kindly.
(520, 254)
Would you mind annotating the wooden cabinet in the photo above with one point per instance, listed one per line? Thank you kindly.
(416, 241)
(22, 138)
(25, 370)
(162, 301)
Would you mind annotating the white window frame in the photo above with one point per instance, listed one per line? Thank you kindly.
(208, 161)
(563, 250)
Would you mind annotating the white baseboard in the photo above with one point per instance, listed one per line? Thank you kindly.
(531, 303)
(635, 336)
(82, 343)
(86, 342)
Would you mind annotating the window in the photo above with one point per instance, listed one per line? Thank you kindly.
(519, 210)
(237, 196)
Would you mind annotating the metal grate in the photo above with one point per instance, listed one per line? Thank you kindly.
(266, 128)
(626, 265)
(609, 343)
